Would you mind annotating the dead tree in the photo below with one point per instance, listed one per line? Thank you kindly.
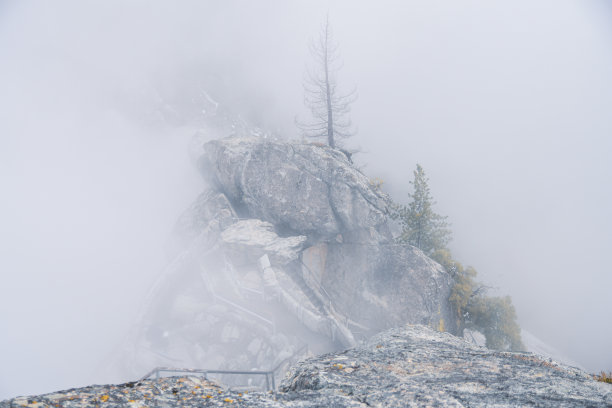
(328, 106)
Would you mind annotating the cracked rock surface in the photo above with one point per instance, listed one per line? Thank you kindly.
(306, 188)
(253, 238)
(416, 366)
(412, 366)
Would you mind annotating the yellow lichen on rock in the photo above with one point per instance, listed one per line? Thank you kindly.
(441, 325)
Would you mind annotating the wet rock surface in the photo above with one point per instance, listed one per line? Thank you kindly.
(411, 366)
(289, 246)
(305, 188)
(388, 285)
(416, 366)
(312, 191)
(251, 239)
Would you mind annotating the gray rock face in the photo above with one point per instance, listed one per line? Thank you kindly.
(416, 366)
(386, 285)
(412, 366)
(289, 247)
(211, 211)
(314, 191)
(305, 188)
(251, 239)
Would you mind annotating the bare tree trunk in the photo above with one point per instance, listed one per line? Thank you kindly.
(327, 106)
(330, 116)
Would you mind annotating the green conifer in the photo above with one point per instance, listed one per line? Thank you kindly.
(421, 226)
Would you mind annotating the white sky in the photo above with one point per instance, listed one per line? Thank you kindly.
(505, 104)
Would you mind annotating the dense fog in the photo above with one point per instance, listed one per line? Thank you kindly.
(505, 105)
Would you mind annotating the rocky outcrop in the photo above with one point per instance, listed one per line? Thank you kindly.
(251, 239)
(311, 190)
(303, 189)
(210, 214)
(416, 366)
(289, 246)
(409, 366)
(387, 285)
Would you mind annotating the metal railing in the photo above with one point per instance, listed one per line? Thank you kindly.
(267, 320)
(262, 319)
(268, 374)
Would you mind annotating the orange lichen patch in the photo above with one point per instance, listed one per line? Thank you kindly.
(539, 361)
(471, 387)
(207, 396)
(489, 365)
(229, 400)
(536, 360)
(397, 370)
(528, 358)
(338, 366)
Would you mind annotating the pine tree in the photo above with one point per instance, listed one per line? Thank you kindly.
(421, 226)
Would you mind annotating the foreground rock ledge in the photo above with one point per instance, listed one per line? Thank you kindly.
(409, 366)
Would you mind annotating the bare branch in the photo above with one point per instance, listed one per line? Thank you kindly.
(327, 105)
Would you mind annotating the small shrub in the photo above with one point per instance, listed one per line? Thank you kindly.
(603, 377)
(494, 317)
(376, 183)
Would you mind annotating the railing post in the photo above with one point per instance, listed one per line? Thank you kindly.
(270, 374)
